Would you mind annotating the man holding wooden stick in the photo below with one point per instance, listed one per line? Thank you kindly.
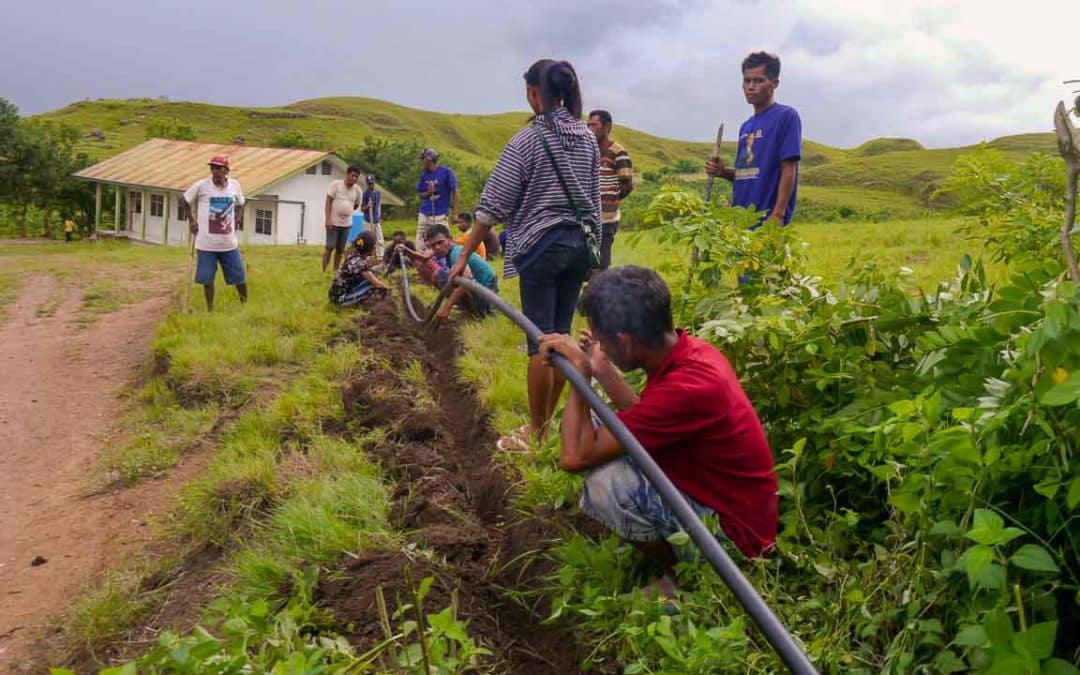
(766, 172)
(215, 210)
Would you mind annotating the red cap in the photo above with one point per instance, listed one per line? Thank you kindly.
(219, 160)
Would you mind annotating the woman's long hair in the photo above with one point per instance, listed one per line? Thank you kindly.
(558, 85)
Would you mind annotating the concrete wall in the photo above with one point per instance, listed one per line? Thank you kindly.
(281, 199)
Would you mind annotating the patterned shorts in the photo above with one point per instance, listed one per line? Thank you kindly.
(619, 496)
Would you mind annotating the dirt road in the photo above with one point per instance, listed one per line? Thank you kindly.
(58, 399)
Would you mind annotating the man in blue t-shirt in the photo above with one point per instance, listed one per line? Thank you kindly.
(438, 194)
(371, 205)
(766, 173)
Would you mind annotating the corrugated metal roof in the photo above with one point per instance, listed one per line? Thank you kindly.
(175, 165)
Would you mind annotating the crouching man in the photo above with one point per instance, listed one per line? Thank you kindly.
(692, 417)
(433, 266)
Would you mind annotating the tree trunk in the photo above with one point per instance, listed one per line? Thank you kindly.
(22, 221)
(46, 224)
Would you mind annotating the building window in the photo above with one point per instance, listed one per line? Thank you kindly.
(136, 201)
(326, 167)
(264, 221)
(157, 206)
(181, 213)
(311, 170)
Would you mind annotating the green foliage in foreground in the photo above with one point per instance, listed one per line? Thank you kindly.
(927, 457)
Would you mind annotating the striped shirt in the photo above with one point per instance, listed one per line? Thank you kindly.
(523, 190)
(616, 180)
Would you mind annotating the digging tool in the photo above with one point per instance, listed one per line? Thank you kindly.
(695, 253)
(190, 275)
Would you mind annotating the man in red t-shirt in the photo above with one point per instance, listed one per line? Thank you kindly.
(692, 417)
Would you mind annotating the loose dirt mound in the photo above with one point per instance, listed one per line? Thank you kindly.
(455, 499)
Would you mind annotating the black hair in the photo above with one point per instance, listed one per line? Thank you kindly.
(365, 243)
(770, 61)
(628, 299)
(353, 169)
(558, 84)
(466, 216)
(438, 229)
(605, 116)
(397, 232)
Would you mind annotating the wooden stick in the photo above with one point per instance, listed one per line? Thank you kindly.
(190, 276)
(715, 155)
(1069, 149)
(695, 254)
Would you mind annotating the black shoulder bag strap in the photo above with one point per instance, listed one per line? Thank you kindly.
(588, 228)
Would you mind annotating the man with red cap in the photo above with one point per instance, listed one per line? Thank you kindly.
(215, 210)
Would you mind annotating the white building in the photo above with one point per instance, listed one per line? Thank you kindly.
(285, 190)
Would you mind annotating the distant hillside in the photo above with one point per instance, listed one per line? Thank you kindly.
(897, 166)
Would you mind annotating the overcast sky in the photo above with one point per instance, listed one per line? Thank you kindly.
(944, 72)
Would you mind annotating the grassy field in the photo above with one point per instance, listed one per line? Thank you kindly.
(281, 489)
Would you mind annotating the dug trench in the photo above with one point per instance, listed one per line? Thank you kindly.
(453, 501)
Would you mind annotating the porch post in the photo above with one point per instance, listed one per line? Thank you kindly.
(116, 209)
(168, 202)
(97, 206)
(142, 200)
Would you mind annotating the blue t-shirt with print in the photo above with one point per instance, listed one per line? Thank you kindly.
(765, 140)
(445, 183)
(481, 270)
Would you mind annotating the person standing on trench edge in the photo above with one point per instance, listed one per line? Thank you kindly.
(437, 191)
(215, 210)
(342, 198)
(766, 173)
(616, 180)
(546, 188)
(692, 417)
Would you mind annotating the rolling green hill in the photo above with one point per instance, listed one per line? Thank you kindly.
(894, 172)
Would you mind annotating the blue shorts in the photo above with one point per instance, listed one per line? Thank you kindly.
(232, 267)
(620, 497)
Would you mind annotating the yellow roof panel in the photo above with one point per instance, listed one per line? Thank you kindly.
(175, 165)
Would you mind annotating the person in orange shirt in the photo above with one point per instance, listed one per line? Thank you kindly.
(464, 224)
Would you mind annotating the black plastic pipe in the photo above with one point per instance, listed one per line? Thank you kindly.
(774, 630)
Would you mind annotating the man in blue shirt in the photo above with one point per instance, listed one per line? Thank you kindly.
(766, 173)
(371, 205)
(438, 194)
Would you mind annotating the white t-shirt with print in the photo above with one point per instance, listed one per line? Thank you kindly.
(343, 202)
(215, 209)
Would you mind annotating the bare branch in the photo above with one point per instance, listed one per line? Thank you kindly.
(1068, 143)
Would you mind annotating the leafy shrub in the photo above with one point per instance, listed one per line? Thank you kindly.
(928, 456)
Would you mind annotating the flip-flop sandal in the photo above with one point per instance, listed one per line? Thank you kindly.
(513, 443)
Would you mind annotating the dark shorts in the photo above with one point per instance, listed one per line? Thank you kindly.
(232, 267)
(607, 238)
(550, 286)
(337, 238)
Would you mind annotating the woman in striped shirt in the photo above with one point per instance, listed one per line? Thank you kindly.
(545, 243)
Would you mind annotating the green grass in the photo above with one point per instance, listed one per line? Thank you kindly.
(279, 491)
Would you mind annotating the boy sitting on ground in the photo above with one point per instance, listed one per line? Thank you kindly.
(464, 222)
(391, 257)
(434, 265)
(692, 417)
(354, 282)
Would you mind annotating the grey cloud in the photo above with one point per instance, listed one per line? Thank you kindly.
(669, 67)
